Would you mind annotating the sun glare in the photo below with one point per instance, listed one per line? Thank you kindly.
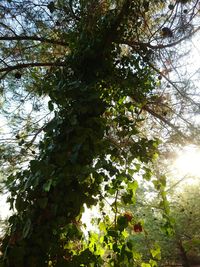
(87, 216)
(188, 161)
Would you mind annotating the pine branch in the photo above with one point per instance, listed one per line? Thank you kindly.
(8, 69)
(184, 95)
(134, 44)
(32, 38)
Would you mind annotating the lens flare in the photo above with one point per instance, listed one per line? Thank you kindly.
(188, 161)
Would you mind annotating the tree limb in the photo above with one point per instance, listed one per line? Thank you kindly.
(172, 84)
(161, 118)
(133, 43)
(32, 38)
(8, 69)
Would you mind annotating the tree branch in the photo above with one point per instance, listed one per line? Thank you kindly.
(172, 84)
(30, 65)
(133, 43)
(32, 38)
(161, 118)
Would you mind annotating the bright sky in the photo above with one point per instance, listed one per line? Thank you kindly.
(187, 163)
(4, 212)
(87, 219)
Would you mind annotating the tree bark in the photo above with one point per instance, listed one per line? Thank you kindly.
(183, 254)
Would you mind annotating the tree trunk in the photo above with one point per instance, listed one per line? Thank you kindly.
(183, 254)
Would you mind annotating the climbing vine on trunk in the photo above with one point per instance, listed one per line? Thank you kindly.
(91, 149)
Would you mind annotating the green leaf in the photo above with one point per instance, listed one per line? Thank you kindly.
(145, 264)
(133, 185)
(26, 228)
(112, 233)
(35, 165)
(43, 202)
(127, 198)
(129, 245)
(156, 253)
(102, 227)
(153, 263)
(116, 248)
(50, 105)
(19, 203)
(122, 223)
(47, 185)
(51, 7)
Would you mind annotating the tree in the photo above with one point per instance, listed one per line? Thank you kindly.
(187, 236)
(94, 62)
(183, 246)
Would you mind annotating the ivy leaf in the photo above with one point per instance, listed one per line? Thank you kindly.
(102, 227)
(122, 223)
(153, 263)
(50, 105)
(129, 245)
(51, 7)
(35, 165)
(112, 233)
(27, 228)
(156, 253)
(145, 264)
(116, 248)
(127, 197)
(47, 185)
(43, 202)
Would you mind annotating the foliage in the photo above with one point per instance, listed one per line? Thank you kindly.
(93, 63)
(183, 246)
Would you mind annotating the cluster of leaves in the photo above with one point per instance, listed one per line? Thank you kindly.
(93, 147)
